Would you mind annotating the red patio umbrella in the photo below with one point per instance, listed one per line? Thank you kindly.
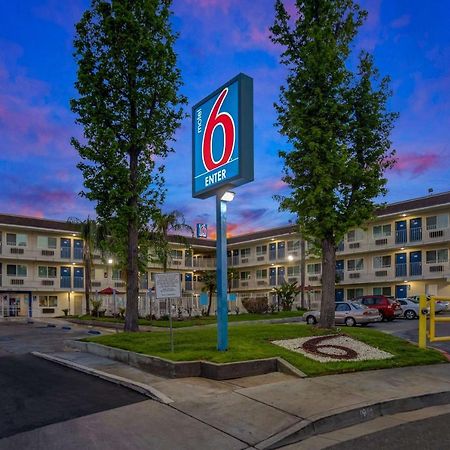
(109, 291)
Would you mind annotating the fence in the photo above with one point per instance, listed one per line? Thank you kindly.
(428, 319)
(189, 305)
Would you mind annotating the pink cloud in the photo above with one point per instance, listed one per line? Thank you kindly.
(431, 95)
(64, 14)
(219, 25)
(30, 212)
(417, 163)
(223, 5)
(401, 21)
(29, 124)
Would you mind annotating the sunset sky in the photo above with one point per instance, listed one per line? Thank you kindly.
(218, 39)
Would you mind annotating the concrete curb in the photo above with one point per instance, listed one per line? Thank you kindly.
(308, 428)
(142, 388)
(182, 369)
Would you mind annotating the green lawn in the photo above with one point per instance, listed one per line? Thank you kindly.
(252, 341)
(202, 320)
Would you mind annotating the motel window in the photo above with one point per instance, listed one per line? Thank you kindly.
(293, 245)
(437, 222)
(177, 254)
(354, 293)
(245, 252)
(47, 272)
(261, 273)
(48, 301)
(293, 271)
(46, 242)
(261, 250)
(314, 269)
(437, 256)
(355, 235)
(116, 274)
(13, 270)
(19, 240)
(380, 231)
(245, 275)
(385, 290)
(380, 262)
(355, 264)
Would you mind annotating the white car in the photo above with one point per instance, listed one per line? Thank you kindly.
(410, 307)
(440, 306)
(348, 313)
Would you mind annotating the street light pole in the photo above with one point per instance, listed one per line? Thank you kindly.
(222, 198)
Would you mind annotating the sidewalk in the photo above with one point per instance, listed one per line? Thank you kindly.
(266, 411)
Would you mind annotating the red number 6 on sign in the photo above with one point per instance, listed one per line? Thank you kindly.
(216, 119)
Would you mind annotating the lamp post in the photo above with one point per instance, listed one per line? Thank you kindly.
(222, 199)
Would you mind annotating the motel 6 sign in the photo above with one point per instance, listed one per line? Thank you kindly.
(222, 138)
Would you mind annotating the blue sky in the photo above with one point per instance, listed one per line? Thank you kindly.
(218, 39)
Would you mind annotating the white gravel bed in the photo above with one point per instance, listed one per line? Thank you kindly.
(364, 352)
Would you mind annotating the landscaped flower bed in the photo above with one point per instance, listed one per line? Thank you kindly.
(332, 348)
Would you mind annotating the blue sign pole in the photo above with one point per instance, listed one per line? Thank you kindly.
(222, 159)
(221, 253)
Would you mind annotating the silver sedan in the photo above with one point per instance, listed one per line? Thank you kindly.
(348, 313)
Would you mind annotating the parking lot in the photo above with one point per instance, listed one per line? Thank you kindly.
(409, 329)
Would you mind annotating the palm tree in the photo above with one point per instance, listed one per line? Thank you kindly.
(209, 279)
(233, 274)
(164, 225)
(89, 234)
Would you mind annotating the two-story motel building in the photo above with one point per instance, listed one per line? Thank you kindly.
(403, 252)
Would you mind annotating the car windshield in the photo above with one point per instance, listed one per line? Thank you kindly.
(358, 306)
(414, 300)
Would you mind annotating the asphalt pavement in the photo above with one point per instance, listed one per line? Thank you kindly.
(35, 393)
(426, 434)
(409, 329)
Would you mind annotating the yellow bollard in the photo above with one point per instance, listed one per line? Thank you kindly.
(423, 321)
(432, 319)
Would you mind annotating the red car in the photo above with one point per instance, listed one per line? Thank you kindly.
(388, 308)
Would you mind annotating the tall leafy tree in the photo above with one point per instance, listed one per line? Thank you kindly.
(337, 124)
(129, 106)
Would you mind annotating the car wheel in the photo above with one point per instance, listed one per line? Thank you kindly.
(383, 317)
(350, 322)
(311, 320)
(410, 314)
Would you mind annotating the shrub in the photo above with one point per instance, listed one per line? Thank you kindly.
(95, 307)
(258, 305)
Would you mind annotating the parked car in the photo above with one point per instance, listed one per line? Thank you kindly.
(410, 308)
(441, 306)
(388, 308)
(348, 313)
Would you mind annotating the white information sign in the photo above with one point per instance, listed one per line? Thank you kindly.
(168, 285)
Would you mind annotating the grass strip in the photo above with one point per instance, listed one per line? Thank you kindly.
(253, 341)
(199, 321)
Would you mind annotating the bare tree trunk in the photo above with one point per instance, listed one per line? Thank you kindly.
(328, 284)
(87, 283)
(209, 304)
(302, 272)
(131, 317)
